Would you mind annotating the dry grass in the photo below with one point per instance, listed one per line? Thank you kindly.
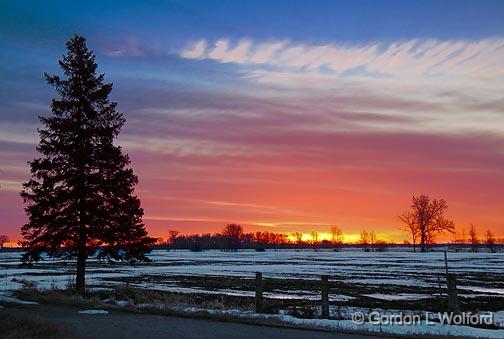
(134, 296)
(177, 300)
(19, 327)
(58, 296)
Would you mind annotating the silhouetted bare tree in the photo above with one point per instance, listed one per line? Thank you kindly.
(411, 227)
(172, 236)
(337, 236)
(299, 237)
(426, 220)
(315, 238)
(364, 240)
(473, 238)
(3, 239)
(233, 234)
(372, 240)
(490, 241)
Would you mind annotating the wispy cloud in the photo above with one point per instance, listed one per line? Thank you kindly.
(484, 58)
(130, 48)
(197, 51)
(443, 86)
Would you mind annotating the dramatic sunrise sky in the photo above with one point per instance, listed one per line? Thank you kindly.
(280, 115)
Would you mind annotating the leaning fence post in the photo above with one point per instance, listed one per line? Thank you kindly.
(259, 293)
(453, 305)
(325, 297)
(440, 290)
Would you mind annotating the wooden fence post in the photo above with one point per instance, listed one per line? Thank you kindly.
(446, 264)
(325, 296)
(453, 305)
(259, 293)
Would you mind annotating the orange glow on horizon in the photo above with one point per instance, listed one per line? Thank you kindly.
(11, 244)
(307, 237)
(397, 236)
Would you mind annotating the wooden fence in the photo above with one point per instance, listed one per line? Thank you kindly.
(452, 297)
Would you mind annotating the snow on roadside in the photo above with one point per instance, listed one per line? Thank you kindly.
(347, 325)
(14, 300)
(499, 318)
(121, 303)
(93, 312)
(423, 328)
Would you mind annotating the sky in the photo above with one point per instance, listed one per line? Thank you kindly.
(283, 116)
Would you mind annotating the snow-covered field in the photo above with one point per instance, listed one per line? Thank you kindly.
(479, 274)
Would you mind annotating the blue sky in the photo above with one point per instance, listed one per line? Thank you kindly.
(313, 21)
(277, 114)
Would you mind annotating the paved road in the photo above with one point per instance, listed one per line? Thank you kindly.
(119, 324)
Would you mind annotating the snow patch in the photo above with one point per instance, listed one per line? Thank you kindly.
(93, 312)
(483, 289)
(158, 306)
(398, 296)
(499, 318)
(14, 300)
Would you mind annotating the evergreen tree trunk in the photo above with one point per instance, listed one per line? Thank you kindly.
(80, 278)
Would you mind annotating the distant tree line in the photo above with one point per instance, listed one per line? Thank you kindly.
(477, 243)
(424, 221)
(370, 242)
(232, 238)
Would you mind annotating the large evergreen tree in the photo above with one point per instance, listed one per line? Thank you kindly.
(80, 200)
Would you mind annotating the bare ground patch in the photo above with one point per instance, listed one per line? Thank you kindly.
(13, 327)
